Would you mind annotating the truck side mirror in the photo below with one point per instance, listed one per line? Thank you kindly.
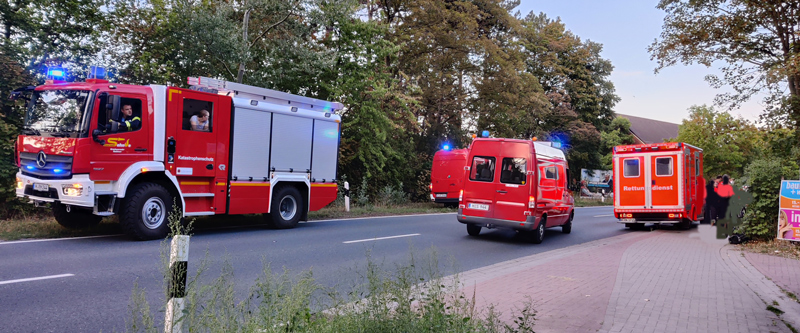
(95, 135)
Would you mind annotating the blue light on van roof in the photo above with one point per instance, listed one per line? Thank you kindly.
(446, 147)
(556, 144)
(56, 72)
(485, 134)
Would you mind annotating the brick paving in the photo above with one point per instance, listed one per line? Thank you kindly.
(784, 272)
(660, 281)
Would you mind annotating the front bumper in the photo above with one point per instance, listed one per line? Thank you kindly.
(531, 222)
(55, 192)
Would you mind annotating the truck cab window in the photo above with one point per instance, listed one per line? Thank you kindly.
(631, 168)
(197, 115)
(513, 170)
(482, 169)
(130, 117)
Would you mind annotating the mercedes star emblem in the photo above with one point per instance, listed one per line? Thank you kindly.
(41, 159)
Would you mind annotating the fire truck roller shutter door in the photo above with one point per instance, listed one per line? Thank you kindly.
(326, 141)
(251, 142)
(291, 143)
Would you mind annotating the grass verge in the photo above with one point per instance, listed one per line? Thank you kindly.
(583, 202)
(43, 225)
(779, 248)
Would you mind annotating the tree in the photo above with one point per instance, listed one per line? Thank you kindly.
(757, 39)
(617, 134)
(12, 75)
(728, 143)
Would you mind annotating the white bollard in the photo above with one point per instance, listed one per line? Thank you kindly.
(346, 196)
(178, 265)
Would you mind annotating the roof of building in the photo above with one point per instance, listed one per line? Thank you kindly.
(651, 131)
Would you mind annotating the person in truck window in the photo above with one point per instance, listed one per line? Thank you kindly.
(200, 121)
(128, 122)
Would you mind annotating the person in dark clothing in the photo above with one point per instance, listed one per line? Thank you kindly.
(128, 122)
(712, 201)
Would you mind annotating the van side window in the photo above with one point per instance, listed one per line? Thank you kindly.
(551, 173)
(482, 169)
(197, 115)
(631, 167)
(696, 167)
(513, 170)
(664, 166)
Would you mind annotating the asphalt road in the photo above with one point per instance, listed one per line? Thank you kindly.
(85, 284)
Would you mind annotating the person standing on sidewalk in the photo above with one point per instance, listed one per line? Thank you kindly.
(725, 192)
(712, 200)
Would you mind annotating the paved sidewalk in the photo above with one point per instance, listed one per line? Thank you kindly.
(784, 272)
(659, 281)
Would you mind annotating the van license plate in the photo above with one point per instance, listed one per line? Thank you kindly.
(627, 220)
(478, 206)
(441, 195)
(41, 187)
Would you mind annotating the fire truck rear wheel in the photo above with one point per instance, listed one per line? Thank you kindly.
(473, 230)
(286, 205)
(145, 210)
(74, 218)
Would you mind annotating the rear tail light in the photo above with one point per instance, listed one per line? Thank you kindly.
(461, 196)
(531, 202)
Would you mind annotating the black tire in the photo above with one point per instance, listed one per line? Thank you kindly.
(73, 217)
(473, 230)
(685, 224)
(635, 226)
(286, 207)
(145, 210)
(537, 235)
(567, 228)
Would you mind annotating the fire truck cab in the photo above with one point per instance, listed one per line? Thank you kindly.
(93, 149)
(658, 183)
(516, 184)
(447, 175)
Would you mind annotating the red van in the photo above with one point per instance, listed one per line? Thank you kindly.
(658, 183)
(527, 192)
(447, 175)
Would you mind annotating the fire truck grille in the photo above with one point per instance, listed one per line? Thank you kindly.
(55, 167)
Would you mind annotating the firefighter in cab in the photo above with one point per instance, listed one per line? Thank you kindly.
(128, 122)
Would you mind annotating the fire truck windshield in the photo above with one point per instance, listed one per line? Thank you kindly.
(58, 113)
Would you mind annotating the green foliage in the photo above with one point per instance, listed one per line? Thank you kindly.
(756, 40)
(618, 133)
(728, 143)
(763, 177)
(12, 76)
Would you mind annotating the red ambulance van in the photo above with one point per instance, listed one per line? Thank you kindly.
(447, 175)
(658, 183)
(516, 184)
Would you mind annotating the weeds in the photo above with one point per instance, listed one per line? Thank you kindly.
(411, 297)
(780, 248)
(774, 310)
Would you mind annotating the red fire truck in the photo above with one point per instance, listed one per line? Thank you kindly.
(516, 184)
(658, 183)
(447, 175)
(93, 149)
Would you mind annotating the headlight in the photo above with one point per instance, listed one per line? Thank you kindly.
(73, 190)
(19, 184)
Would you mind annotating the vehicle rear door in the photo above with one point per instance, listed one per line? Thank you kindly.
(630, 181)
(512, 190)
(665, 185)
(479, 187)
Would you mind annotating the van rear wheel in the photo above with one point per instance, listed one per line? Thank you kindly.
(567, 228)
(473, 230)
(538, 235)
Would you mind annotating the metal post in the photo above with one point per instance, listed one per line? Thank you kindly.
(346, 196)
(178, 263)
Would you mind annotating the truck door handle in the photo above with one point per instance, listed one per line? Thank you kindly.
(140, 149)
(501, 191)
(654, 182)
(210, 167)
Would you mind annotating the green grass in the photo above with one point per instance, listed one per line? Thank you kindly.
(582, 202)
(43, 225)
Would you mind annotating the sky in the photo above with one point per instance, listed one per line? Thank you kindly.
(626, 28)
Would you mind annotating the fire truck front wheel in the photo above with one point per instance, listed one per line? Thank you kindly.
(145, 210)
(74, 218)
(286, 205)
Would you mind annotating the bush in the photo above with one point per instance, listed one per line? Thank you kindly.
(390, 196)
(763, 177)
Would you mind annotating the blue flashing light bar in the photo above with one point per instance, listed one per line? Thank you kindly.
(485, 134)
(446, 147)
(556, 144)
(97, 72)
(56, 72)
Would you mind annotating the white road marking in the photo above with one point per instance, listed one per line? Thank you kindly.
(602, 215)
(379, 238)
(54, 239)
(37, 278)
(378, 217)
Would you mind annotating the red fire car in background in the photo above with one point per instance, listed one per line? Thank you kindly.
(447, 175)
